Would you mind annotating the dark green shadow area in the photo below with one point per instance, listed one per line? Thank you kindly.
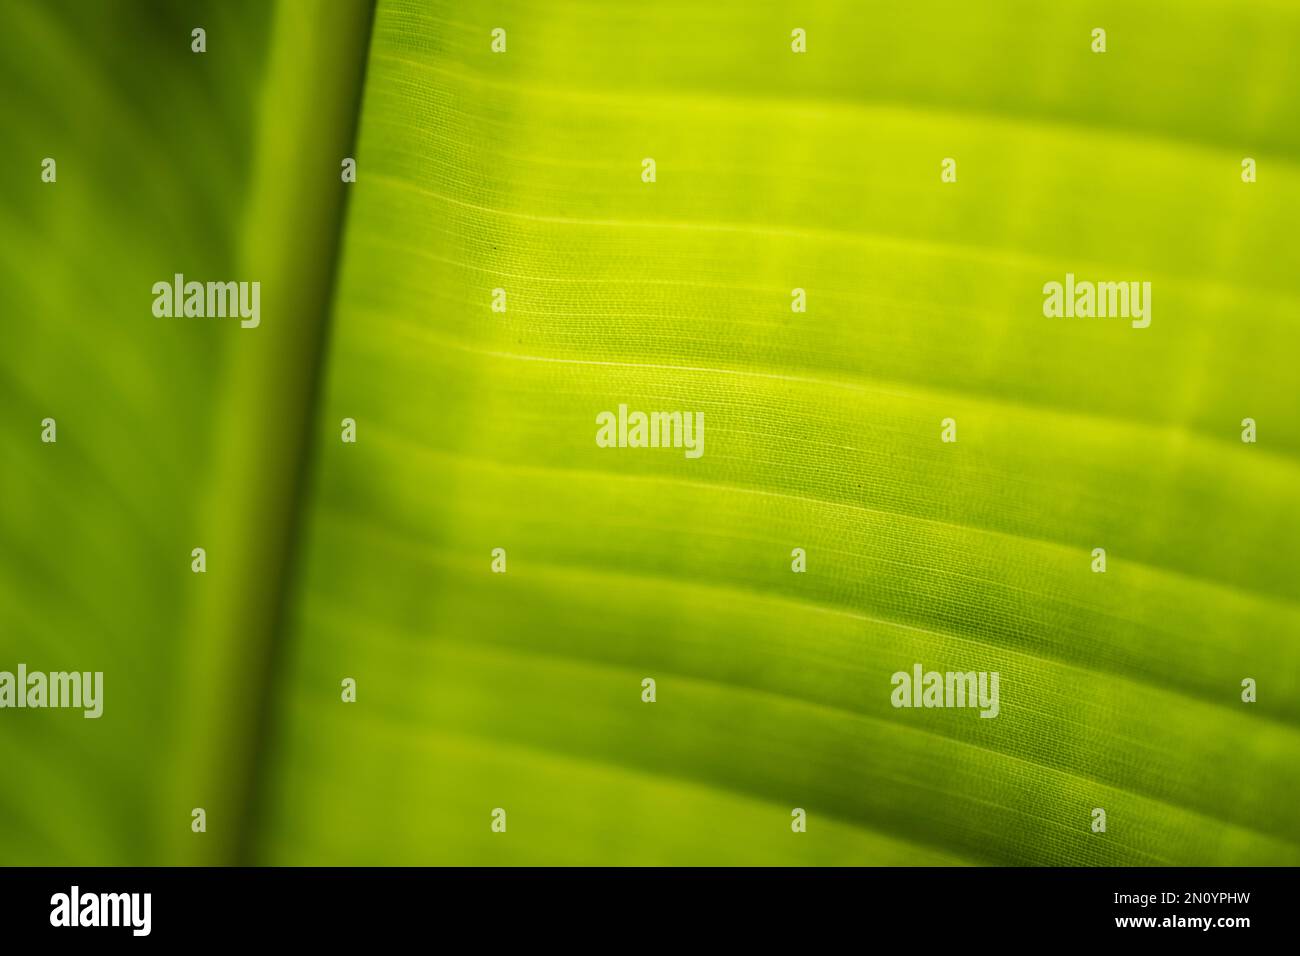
(172, 433)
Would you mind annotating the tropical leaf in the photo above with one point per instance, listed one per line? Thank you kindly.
(171, 434)
(522, 691)
(522, 171)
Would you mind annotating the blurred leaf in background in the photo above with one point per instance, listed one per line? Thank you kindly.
(171, 433)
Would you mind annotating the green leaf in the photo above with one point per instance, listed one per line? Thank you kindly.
(171, 434)
(476, 429)
(775, 171)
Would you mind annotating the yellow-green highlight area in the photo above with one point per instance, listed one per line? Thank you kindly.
(521, 170)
